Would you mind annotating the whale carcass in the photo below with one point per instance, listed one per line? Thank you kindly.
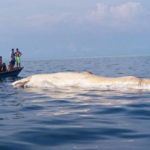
(84, 80)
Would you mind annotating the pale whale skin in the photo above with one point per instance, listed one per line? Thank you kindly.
(85, 80)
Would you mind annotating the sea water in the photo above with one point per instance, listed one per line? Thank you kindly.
(76, 120)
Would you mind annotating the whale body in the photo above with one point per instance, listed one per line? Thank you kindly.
(84, 80)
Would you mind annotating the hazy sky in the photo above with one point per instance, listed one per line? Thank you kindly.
(51, 29)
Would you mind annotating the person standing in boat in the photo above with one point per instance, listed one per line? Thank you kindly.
(12, 62)
(18, 58)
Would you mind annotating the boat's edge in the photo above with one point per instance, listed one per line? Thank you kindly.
(13, 73)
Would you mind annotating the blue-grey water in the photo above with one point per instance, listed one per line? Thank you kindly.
(81, 120)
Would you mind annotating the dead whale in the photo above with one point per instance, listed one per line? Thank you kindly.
(84, 80)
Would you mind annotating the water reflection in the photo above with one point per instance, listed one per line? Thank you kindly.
(90, 97)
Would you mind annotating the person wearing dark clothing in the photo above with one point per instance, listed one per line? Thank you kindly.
(4, 67)
(13, 60)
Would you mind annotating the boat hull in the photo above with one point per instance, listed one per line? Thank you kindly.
(13, 73)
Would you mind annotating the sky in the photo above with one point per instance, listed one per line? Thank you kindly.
(58, 29)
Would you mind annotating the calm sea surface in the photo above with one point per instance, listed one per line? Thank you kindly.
(76, 120)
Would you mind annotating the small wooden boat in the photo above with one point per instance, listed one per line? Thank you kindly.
(13, 73)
